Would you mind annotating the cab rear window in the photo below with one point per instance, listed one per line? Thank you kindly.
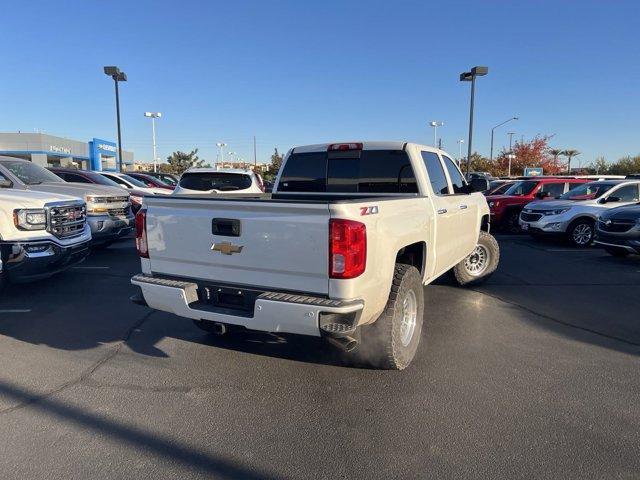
(362, 171)
(222, 181)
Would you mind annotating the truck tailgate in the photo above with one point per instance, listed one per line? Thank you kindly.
(279, 246)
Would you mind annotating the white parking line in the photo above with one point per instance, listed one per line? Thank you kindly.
(16, 310)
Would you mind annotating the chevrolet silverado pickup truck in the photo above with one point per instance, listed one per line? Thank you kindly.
(341, 249)
(40, 233)
(109, 212)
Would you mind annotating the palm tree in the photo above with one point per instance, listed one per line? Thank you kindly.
(570, 154)
(556, 153)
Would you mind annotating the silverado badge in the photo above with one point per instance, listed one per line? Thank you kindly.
(226, 248)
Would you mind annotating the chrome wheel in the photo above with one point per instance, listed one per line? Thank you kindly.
(409, 316)
(582, 234)
(478, 261)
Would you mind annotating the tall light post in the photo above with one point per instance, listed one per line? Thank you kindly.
(511, 156)
(460, 142)
(118, 76)
(471, 77)
(221, 146)
(435, 124)
(499, 125)
(153, 116)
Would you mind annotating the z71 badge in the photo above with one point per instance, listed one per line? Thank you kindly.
(369, 210)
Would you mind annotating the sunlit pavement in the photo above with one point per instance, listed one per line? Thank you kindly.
(535, 374)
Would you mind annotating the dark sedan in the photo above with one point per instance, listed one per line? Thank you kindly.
(618, 230)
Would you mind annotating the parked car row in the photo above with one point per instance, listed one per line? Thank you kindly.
(49, 218)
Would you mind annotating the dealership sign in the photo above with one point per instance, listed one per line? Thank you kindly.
(58, 149)
(107, 147)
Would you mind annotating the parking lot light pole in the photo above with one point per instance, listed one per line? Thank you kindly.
(118, 76)
(221, 146)
(499, 125)
(435, 124)
(153, 116)
(471, 77)
(460, 142)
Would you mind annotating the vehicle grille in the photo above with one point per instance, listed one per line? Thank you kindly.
(616, 226)
(67, 220)
(119, 212)
(530, 217)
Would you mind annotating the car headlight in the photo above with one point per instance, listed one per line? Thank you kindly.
(559, 211)
(493, 204)
(30, 219)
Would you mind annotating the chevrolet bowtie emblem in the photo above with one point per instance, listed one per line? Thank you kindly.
(226, 248)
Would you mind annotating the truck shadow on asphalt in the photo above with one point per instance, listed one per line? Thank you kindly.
(138, 439)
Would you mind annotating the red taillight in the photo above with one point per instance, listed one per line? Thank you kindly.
(141, 233)
(344, 146)
(347, 248)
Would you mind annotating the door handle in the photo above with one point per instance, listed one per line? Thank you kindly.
(441, 211)
(463, 207)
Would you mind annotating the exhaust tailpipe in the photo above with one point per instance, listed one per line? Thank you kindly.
(344, 343)
(218, 328)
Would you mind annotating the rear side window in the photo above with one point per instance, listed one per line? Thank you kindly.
(554, 189)
(222, 181)
(366, 171)
(457, 181)
(72, 177)
(437, 177)
(628, 193)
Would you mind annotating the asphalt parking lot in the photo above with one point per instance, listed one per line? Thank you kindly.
(534, 374)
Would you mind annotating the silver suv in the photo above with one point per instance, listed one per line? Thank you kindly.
(573, 215)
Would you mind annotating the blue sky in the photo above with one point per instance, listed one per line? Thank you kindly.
(296, 72)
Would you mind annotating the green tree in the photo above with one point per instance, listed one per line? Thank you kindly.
(600, 166)
(276, 162)
(570, 154)
(178, 162)
(555, 153)
(626, 166)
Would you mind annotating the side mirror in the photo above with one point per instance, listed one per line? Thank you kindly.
(479, 184)
(5, 183)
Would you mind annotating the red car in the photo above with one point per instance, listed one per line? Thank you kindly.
(150, 181)
(505, 209)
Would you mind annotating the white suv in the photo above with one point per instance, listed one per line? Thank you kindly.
(573, 215)
(198, 181)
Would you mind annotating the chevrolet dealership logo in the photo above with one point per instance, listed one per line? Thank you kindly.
(226, 248)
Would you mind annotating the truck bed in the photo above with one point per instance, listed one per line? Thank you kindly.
(292, 197)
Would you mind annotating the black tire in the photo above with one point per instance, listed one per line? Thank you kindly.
(467, 272)
(385, 344)
(617, 252)
(578, 229)
(512, 222)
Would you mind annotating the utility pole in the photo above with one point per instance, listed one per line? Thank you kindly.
(471, 77)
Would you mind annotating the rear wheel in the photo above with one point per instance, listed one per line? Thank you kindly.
(617, 252)
(391, 342)
(512, 222)
(580, 233)
(480, 264)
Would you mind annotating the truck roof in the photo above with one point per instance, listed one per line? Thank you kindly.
(366, 145)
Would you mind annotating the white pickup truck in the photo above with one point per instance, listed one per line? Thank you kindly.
(341, 248)
(40, 233)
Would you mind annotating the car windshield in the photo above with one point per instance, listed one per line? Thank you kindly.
(518, 189)
(204, 181)
(587, 191)
(101, 180)
(133, 181)
(30, 173)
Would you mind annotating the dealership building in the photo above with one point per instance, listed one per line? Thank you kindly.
(49, 151)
